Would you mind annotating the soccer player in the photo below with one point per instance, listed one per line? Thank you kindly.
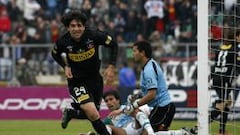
(224, 71)
(124, 124)
(153, 88)
(77, 52)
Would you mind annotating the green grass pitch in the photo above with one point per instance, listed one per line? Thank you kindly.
(52, 127)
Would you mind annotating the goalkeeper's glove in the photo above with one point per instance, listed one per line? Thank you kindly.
(130, 98)
(129, 108)
(135, 103)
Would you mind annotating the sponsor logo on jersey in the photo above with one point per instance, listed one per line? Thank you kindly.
(77, 57)
(221, 69)
(226, 47)
(82, 98)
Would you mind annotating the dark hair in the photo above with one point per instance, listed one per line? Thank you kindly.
(114, 93)
(144, 46)
(71, 15)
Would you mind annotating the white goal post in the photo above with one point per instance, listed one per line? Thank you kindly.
(202, 77)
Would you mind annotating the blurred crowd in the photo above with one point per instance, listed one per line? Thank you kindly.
(38, 21)
(223, 14)
(165, 23)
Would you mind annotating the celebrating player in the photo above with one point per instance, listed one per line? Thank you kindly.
(77, 53)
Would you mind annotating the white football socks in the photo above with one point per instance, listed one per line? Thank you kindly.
(144, 122)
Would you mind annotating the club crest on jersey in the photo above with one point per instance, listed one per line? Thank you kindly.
(149, 80)
(80, 50)
(90, 44)
(69, 48)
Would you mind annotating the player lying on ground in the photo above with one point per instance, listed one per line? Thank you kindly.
(139, 117)
(125, 124)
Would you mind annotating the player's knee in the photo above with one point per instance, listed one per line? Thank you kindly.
(93, 115)
(90, 111)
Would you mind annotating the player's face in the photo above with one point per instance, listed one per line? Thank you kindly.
(112, 102)
(136, 54)
(76, 29)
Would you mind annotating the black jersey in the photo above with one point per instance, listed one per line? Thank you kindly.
(83, 56)
(227, 60)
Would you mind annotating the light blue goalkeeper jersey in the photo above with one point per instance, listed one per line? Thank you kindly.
(152, 77)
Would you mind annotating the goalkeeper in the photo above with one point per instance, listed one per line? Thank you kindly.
(153, 88)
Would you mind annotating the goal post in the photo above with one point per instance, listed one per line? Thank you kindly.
(203, 69)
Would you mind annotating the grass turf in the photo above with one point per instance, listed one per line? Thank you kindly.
(52, 127)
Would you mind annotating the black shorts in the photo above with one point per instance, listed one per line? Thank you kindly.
(161, 117)
(86, 90)
(222, 85)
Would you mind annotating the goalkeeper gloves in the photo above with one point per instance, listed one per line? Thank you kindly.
(135, 103)
(129, 108)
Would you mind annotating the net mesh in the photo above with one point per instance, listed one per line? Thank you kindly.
(224, 24)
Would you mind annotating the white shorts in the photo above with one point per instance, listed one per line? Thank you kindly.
(131, 129)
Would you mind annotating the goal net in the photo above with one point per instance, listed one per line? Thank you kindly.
(223, 82)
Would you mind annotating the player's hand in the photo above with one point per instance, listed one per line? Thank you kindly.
(68, 72)
(132, 97)
(114, 113)
(109, 74)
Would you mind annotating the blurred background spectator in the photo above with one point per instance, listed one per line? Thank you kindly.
(145, 16)
(37, 23)
(127, 81)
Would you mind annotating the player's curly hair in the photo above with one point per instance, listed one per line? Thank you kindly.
(71, 15)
